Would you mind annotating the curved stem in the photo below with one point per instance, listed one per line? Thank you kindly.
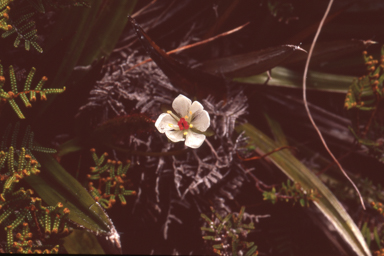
(306, 102)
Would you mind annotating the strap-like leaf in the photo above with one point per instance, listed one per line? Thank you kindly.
(298, 172)
(54, 184)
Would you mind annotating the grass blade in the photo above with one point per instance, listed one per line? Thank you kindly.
(295, 170)
(288, 78)
(55, 185)
(251, 63)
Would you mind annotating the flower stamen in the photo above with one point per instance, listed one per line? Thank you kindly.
(173, 115)
(190, 117)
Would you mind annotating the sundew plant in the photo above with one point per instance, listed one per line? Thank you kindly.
(182, 127)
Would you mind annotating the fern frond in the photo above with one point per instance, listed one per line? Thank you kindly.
(12, 76)
(38, 5)
(26, 138)
(4, 138)
(366, 92)
(44, 150)
(225, 234)
(116, 180)
(25, 30)
(26, 146)
(2, 81)
(16, 108)
(15, 133)
(4, 3)
(366, 96)
(4, 16)
(291, 192)
(18, 210)
(14, 93)
(66, 3)
(20, 21)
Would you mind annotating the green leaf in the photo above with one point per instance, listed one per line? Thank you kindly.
(366, 233)
(315, 80)
(235, 243)
(93, 33)
(55, 185)
(76, 24)
(377, 238)
(207, 229)
(224, 222)
(82, 242)
(298, 172)
(250, 63)
(328, 51)
(205, 217)
(251, 251)
(218, 216)
(209, 238)
(110, 22)
(240, 217)
(217, 246)
(277, 131)
(70, 146)
(302, 202)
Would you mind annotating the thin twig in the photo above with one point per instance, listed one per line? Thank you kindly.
(306, 103)
(143, 9)
(213, 150)
(333, 163)
(265, 155)
(192, 45)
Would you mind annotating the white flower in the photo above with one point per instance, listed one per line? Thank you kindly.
(186, 125)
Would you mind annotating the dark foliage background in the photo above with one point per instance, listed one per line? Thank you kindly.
(164, 216)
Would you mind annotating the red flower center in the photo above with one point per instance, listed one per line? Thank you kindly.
(183, 124)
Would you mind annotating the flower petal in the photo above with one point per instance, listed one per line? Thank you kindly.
(175, 136)
(196, 107)
(201, 121)
(181, 105)
(194, 140)
(165, 122)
